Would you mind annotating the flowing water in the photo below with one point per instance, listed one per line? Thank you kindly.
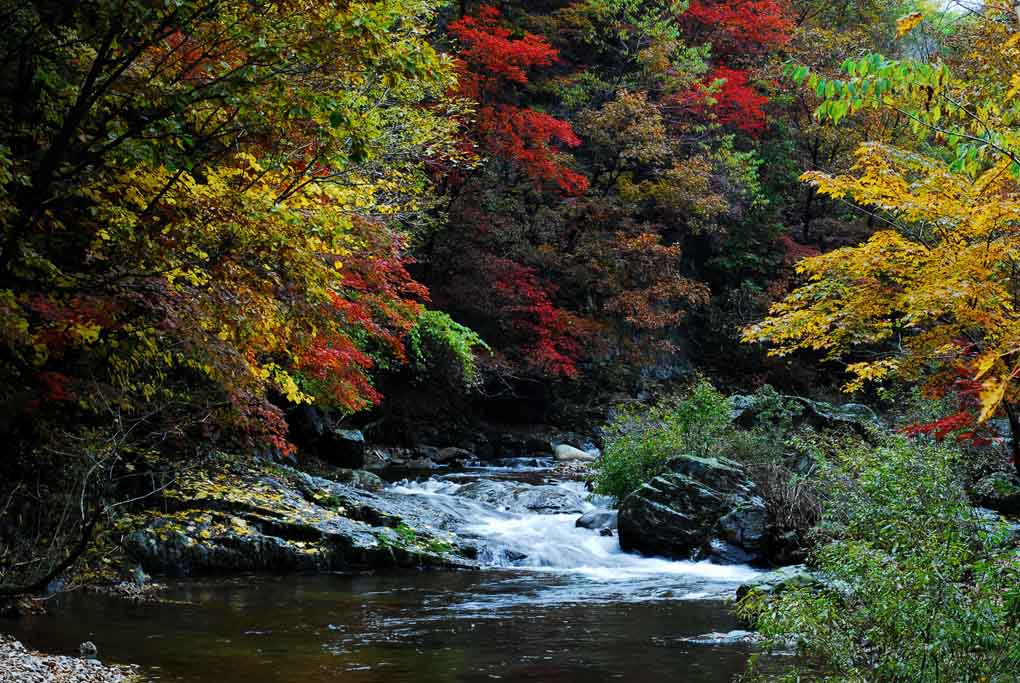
(555, 603)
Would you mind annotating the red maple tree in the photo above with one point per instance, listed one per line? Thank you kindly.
(491, 61)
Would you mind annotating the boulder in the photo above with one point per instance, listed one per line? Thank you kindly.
(743, 409)
(453, 454)
(315, 431)
(359, 479)
(721, 552)
(278, 521)
(785, 578)
(344, 447)
(546, 499)
(697, 501)
(821, 414)
(746, 411)
(730, 638)
(418, 458)
(566, 453)
(598, 520)
(999, 491)
(744, 525)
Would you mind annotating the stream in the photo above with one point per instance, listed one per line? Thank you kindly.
(553, 603)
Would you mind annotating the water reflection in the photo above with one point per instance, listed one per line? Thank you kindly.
(572, 607)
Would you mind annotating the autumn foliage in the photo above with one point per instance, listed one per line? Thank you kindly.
(743, 25)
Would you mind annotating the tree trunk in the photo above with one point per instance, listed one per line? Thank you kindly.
(1014, 431)
(39, 585)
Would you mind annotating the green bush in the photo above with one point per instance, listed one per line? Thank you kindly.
(639, 441)
(920, 587)
(444, 350)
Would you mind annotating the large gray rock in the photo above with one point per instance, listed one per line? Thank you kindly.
(749, 411)
(567, 453)
(359, 479)
(823, 414)
(783, 579)
(545, 499)
(277, 521)
(597, 520)
(453, 454)
(697, 502)
(999, 491)
(315, 431)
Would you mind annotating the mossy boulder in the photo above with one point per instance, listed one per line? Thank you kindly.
(999, 491)
(699, 507)
(275, 520)
(782, 579)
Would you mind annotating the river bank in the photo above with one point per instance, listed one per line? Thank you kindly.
(540, 598)
(18, 664)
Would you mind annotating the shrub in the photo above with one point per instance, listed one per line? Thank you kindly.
(639, 441)
(444, 350)
(919, 588)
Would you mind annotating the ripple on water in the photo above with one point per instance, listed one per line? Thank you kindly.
(574, 609)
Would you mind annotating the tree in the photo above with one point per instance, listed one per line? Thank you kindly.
(201, 206)
(936, 295)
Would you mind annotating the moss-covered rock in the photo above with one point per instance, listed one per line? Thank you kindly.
(700, 506)
(273, 519)
(999, 491)
(783, 579)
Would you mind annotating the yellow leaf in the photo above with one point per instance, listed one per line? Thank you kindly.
(908, 23)
(991, 395)
(985, 363)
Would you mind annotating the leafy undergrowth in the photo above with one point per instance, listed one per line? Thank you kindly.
(919, 585)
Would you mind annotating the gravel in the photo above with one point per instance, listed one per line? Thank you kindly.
(20, 665)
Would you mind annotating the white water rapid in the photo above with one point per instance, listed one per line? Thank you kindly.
(531, 527)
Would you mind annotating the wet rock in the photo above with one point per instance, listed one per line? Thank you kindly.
(548, 500)
(744, 525)
(315, 431)
(598, 520)
(785, 578)
(88, 649)
(418, 458)
(722, 552)
(360, 479)
(730, 638)
(545, 499)
(746, 411)
(453, 454)
(377, 459)
(278, 521)
(565, 453)
(999, 491)
(678, 514)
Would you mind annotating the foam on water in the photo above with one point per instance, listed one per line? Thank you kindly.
(552, 543)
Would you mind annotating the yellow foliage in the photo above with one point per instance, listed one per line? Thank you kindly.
(908, 23)
(939, 289)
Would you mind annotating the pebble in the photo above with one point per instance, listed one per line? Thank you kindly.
(18, 664)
